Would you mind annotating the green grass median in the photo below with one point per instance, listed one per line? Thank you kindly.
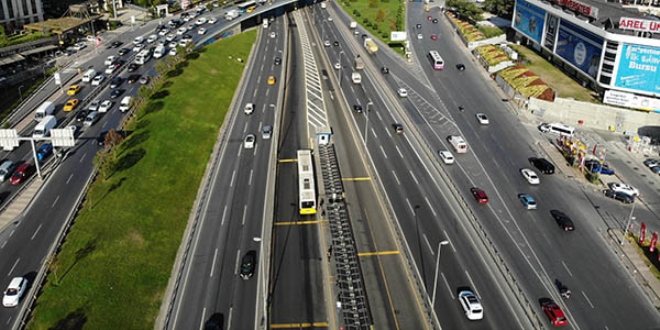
(113, 270)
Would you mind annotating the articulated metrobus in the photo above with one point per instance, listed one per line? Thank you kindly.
(247, 7)
(436, 60)
(306, 189)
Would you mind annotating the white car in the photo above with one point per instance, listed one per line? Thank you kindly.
(471, 305)
(201, 31)
(326, 43)
(337, 66)
(152, 38)
(446, 156)
(170, 37)
(181, 30)
(172, 52)
(98, 80)
(212, 20)
(329, 19)
(530, 176)
(110, 70)
(15, 290)
(105, 106)
(163, 32)
(273, 34)
(94, 105)
(249, 108)
(172, 45)
(162, 42)
(420, 36)
(249, 141)
(402, 92)
(137, 48)
(91, 118)
(624, 188)
(483, 120)
(109, 60)
(191, 26)
(138, 40)
(79, 46)
(183, 42)
(201, 21)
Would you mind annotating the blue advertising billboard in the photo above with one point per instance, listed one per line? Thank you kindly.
(529, 20)
(639, 68)
(579, 47)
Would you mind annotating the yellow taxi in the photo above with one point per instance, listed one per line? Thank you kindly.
(271, 80)
(71, 104)
(73, 90)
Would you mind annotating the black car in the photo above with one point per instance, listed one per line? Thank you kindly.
(543, 165)
(435, 20)
(124, 51)
(336, 43)
(620, 196)
(278, 61)
(357, 108)
(116, 81)
(118, 62)
(419, 26)
(563, 220)
(82, 114)
(133, 67)
(215, 322)
(100, 140)
(384, 70)
(116, 92)
(398, 128)
(116, 44)
(248, 264)
(133, 78)
(460, 66)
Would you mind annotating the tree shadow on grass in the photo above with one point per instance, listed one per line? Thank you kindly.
(182, 65)
(74, 321)
(129, 160)
(142, 123)
(192, 56)
(153, 107)
(112, 188)
(81, 254)
(135, 139)
(161, 94)
(174, 73)
(167, 84)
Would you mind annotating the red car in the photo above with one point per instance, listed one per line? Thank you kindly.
(479, 195)
(22, 173)
(554, 313)
(434, 37)
(430, 18)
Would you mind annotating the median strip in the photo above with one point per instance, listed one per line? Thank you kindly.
(381, 253)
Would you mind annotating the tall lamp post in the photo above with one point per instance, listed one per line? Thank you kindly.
(630, 219)
(19, 92)
(366, 125)
(437, 269)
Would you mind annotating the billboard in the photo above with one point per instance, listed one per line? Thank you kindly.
(580, 48)
(630, 100)
(529, 20)
(639, 68)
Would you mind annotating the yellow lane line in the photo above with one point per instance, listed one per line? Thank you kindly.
(299, 223)
(300, 325)
(356, 179)
(287, 160)
(381, 253)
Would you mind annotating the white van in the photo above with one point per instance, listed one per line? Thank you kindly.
(43, 128)
(45, 109)
(89, 75)
(143, 57)
(458, 143)
(160, 51)
(125, 104)
(557, 128)
(265, 24)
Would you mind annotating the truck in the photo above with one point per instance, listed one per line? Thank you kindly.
(353, 25)
(356, 77)
(43, 128)
(230, 15)
(370, 45)
(358, 63)
(45, 109)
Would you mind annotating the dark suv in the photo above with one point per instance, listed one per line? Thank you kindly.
(543, 165)
(248, 264)
(563, 220)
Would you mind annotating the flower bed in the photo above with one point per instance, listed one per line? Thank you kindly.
(468, 30)
(527, 83)
(493, 55)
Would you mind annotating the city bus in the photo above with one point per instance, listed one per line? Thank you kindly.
(436, 60)
(247, 7)
(306, 189)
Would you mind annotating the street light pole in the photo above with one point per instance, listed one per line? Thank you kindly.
(366, 125)
(19, 92)
(437, 269)
(630, 219)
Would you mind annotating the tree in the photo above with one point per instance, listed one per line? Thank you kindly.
(162, 67)
(209, 7)
(373, 3)
(380, 15)
(465, 9)
(503, 8)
